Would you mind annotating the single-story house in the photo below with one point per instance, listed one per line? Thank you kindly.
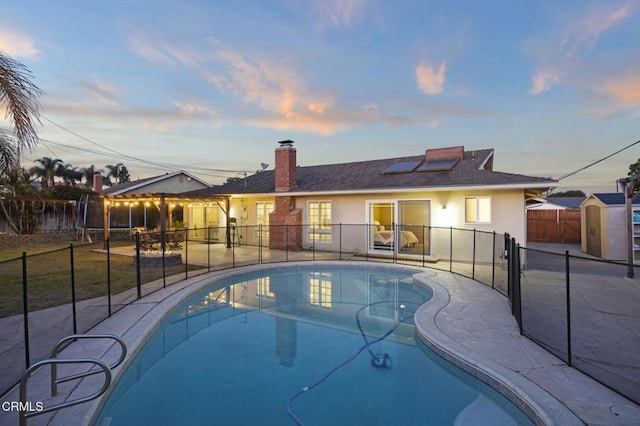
(359, 206)
(604, 226)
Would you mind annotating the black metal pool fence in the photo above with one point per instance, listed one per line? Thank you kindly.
(580, 309)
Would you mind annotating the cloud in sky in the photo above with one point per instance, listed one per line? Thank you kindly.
(564, 52)
(339, 13)
(101, 91)
(277, 90)
(18, 45)
(542, 82)
(430, 80)
(624, 91)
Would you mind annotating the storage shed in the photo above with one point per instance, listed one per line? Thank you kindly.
(604, 226)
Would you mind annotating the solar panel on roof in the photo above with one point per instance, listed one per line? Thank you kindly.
(406, 167)
(435, 166)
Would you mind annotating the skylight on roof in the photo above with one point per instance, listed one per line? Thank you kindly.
(406, 167)
(437, 166)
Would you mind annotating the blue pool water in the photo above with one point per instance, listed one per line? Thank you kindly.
(240, 352)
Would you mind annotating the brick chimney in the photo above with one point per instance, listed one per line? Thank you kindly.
(285, 221)
(97, 183)
(286, 173)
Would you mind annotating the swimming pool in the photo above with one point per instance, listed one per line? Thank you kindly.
(242, 351)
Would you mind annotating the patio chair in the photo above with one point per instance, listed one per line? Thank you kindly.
(148, 241)
(176, 238)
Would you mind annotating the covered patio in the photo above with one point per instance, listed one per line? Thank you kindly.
(166, 206)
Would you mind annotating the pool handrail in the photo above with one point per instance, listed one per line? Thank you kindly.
(24, 414)
(56, 350)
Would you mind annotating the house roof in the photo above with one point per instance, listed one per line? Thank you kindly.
(140, 183)
(473, 170)
(615, 198)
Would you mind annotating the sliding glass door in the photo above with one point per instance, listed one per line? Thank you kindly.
(399, 226)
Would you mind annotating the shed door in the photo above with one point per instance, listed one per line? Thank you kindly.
(594, 246)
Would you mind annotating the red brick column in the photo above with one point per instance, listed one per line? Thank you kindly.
(285, 225)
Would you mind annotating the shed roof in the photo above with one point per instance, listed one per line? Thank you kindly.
(615, 198)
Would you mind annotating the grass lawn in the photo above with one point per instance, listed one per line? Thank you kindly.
(49, 274)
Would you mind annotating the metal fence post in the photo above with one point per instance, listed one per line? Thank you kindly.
(260, 244)
(208, 248)
(568, 295)
(424, 238)
(507, 256)
(518, 292)
(340, 241)
(473, 257)
(163, 245)
(493, 262)
(451, 249)
(73, 291)
(107, 242)
(138, 280)
(186, 255)
(25, 308)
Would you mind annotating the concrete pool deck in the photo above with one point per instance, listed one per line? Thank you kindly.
(466, 322)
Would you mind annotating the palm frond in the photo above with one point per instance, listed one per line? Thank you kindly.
(21, 98)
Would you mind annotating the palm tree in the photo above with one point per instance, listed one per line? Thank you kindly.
(70, 174)
(19, 217)
(48, 170)
(88, 173)
(7, 155)
(18, 182)
(20, 97)
(119, 173)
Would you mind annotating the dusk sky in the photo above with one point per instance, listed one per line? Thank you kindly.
(211, 87)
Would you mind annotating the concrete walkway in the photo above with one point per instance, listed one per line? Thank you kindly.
(466, 322)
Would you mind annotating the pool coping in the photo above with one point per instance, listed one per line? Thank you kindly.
(139, 320)
(540, 406)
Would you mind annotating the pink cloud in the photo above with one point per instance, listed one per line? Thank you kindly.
(18, 45)
(431, 81)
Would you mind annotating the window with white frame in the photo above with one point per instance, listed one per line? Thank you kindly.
(319, 221)
(320, 290)
(477, 209)
(262, 218)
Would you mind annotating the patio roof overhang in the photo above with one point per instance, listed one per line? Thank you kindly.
(169, 198)
(162, 200)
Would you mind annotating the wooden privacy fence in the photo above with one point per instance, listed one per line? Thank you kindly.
(553, 226)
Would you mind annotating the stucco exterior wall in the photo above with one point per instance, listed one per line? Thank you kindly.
(349, 214)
